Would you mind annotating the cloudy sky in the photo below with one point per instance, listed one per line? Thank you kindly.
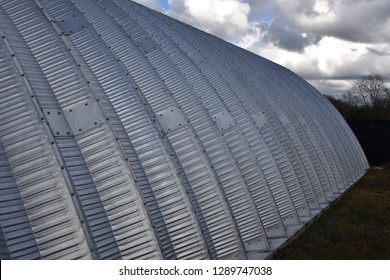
(328, 42)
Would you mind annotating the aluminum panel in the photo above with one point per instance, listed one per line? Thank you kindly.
(177, 87)
(146, 44)
(36, 172)
(194, 79)
(260, 120)
(57, 123)
(153, 96)
(294, 159)
(118, 194)
(223, 120)
(18, 240)
(146, 138)
(170, 119)
(208, 72)
(71, 24)
(85, 190)
(83, 116)
(142, 134)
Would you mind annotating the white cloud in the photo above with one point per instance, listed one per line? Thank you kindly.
(330, 59)
(327, 42)
(224, 18)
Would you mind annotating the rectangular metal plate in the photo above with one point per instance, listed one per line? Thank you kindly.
(57, 122)
(170, 119)
(147, 45)
(71, 24)
(259, 119)
(223, 120)
(195, 57)
(83, 116)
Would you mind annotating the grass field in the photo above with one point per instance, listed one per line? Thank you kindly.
(356, 227)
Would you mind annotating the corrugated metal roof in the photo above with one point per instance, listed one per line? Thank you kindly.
(125, 134)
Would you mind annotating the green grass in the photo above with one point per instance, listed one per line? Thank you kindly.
(356, 227)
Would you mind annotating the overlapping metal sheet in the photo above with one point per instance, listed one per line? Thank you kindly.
(125, 134)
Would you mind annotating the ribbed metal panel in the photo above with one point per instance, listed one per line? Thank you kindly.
(237, 148)
(271, 131)
(45, 197)
(83, 185)
(17, 238)
(125, 134)
(358, 160)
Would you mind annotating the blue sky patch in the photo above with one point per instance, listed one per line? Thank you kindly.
(164, 4)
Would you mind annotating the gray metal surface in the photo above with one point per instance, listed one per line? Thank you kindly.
(125, 134)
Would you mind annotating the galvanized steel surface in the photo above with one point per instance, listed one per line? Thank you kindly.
(125, 134)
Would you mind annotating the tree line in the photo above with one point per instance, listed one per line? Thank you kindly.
(367, 98)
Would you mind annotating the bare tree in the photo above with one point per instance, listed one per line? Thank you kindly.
(387, 100)
(372, 92)
(351, 98)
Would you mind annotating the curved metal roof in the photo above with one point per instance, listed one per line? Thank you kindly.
(127, 134)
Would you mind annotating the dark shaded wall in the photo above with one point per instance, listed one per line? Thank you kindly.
(374, 137)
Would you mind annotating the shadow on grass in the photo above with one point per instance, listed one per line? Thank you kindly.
(356, 227)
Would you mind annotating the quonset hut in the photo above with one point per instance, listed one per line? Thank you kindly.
(125, 134)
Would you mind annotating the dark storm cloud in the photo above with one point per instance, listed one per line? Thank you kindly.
(288, 37)
(363, 21)
(378, 52)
